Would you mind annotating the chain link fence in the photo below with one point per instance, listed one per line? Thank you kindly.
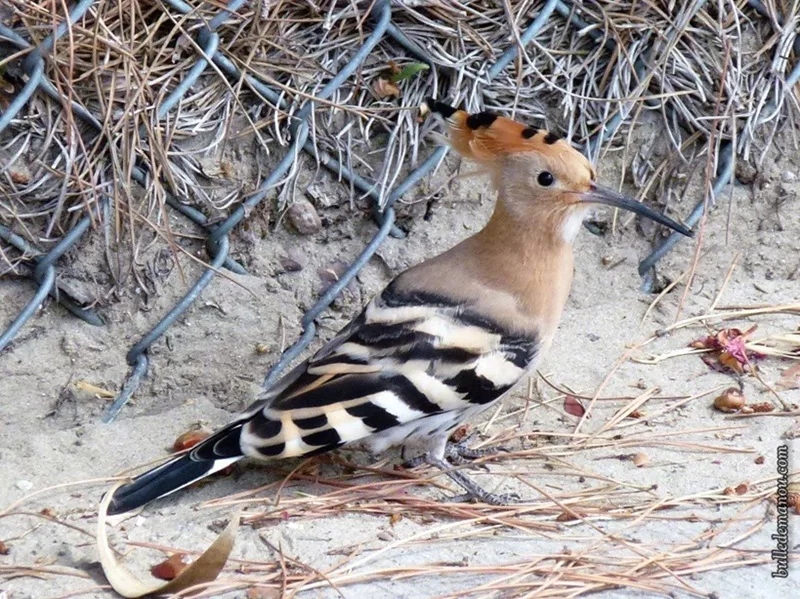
(218, 243)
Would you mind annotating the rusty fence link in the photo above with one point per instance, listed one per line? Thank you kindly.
(217, 241)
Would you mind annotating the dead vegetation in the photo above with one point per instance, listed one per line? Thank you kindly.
(712, 72)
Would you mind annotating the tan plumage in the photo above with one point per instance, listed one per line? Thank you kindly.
(444, 340)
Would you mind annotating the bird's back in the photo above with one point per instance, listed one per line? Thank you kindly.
(407, 357)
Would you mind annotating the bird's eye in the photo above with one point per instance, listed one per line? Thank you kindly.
(546, 179)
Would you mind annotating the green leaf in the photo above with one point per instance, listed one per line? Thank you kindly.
(409, 71)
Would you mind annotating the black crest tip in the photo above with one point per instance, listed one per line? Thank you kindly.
(551, 138)
(440, 107)
(481, 119)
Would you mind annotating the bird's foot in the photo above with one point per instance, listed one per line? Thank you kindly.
(457, 453)
(473, 490)
(460, 454)
(482, 495)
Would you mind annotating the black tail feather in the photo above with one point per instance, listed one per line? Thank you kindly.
(213, 454)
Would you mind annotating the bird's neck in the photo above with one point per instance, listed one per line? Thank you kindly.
(530, 257)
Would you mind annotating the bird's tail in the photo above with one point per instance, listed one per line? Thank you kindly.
(211, 455)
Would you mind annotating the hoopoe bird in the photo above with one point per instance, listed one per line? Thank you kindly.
(444, 341)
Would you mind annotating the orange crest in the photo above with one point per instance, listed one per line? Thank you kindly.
(485, 136)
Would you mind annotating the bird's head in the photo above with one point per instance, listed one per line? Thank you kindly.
(537, 174)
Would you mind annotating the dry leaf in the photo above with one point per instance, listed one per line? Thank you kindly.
(728, 350)
(189, 439)
(384, 88)
(171, 567)
(565, 517)
(204, 569)
(460, 433)
(18, 176)
(573, 406)
(640, 459)
(731, 400)
(762, 407)
(89, 388)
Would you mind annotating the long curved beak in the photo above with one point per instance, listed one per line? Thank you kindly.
(603, 195)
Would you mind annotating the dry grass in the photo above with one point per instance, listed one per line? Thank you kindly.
(123, 59)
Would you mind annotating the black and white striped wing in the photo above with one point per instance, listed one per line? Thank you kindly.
(406, 357)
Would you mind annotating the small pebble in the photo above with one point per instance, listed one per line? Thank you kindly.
(745, 172)
(304, 217)
(24, 485)
(788, 177)
(322, 196)
(332, 273)
(293, 261)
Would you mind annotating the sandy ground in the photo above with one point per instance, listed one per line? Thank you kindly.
(207, 367)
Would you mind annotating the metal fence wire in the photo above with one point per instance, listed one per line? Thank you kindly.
(217, 241)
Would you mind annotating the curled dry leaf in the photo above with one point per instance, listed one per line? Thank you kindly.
(204, 569)
(731, 400)
(22, 177)
(573, 406)
(384, 88)
(460, 433)
(94, 389)
(728, 351)
(171, 567)
(640, 459)
(189, 439)
(566, 517)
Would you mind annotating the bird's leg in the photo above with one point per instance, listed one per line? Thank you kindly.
(473, 490)
(457, 453)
